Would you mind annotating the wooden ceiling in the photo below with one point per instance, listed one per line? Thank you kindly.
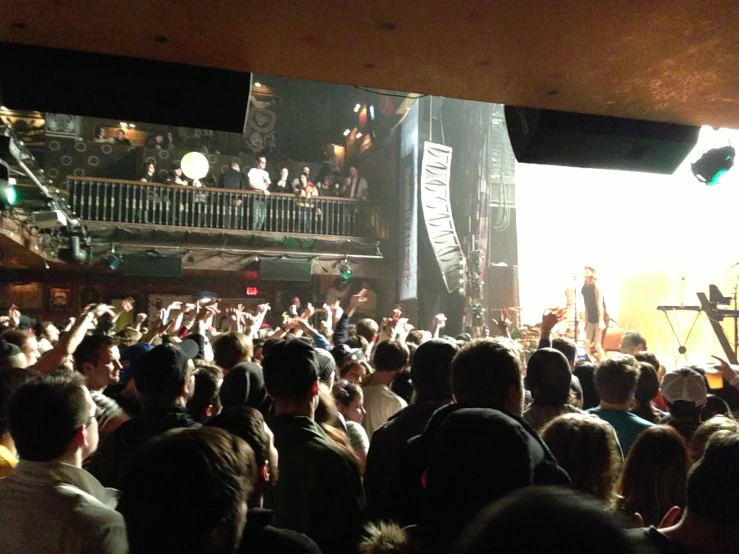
(667, 61)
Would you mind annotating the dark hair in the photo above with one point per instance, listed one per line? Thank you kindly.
(431, 368)
(368, 328)
(585, 372)
(247, 423)
(230, 349)
(713, 482)
(647, 387)
(509, 522)
(415, 337)
(653, 479)
(345, 392)
(483, 373)
(568, 347)
(355, 341)
(615, 378)
(45, 413)
(587, 449)
(402, 385)
(548, 377)
(648, 357)
(391, 355)
(11, 379)
(634, 338)
(17, 337)
(207, 386)
(8, 351)
(89, 350)
(715, 405)
(215, 469)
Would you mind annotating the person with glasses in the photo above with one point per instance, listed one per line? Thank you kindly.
(49, 503)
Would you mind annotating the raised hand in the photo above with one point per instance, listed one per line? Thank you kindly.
(14, 314)
(440, 321)
(551, 317)
(356, 300)
(308, 312)
(102, 309)
(140, 318)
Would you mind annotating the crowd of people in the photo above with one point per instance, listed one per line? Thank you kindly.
(318, 433)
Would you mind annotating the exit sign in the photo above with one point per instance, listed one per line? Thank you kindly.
(252, 291)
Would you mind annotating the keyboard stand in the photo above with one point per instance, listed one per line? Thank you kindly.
(682, 350)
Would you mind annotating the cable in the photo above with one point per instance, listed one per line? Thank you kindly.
(391, 94)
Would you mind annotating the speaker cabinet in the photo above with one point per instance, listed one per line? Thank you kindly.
(286, 270)
(579, 140)
(147, 265)
(124, 89)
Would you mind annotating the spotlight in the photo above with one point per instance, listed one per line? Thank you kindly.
(372, 112)
(345, 269)
(132, 126)
(258, 85)
(357, 108)
(359, 135)
(123, 124)
(713, 164)
(114, 260)
(8, 195)
(347, 132)
(3, 108)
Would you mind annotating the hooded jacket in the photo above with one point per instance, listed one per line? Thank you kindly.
(120, 447)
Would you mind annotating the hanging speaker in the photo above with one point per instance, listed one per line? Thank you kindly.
(594, 141)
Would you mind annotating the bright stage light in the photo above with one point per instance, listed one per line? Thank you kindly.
(194, 165)
(357, 108)
(347, 132)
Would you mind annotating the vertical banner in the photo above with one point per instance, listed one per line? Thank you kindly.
(408, 206)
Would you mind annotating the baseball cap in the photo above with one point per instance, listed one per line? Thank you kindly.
(131, 356)
(685, 385)
(163, 368)
(290, 369)
(343, 353)
(243, 385)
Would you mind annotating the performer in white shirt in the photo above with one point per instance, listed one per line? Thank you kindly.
(259, 181)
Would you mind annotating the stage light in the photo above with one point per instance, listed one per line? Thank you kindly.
(372, 112)
(345, 269)
(124, 124)
(347, 132)
(8, 194)
(359, 135)
(258, 85)
(713, 164)
(3, 108)
(114, 263)
(132, 126)
(357, 108)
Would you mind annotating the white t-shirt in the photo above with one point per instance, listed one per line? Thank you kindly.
(358, 438)
(257, 175)
(381, 404)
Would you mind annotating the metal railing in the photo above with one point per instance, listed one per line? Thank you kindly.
(97, 199)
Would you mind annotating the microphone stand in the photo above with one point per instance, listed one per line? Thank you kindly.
(575, 333)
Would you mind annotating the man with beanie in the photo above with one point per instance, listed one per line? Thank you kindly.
(430, 376)
(165, 379)
(320, 488)
(685, 392)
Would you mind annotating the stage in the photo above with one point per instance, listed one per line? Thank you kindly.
(654, 239)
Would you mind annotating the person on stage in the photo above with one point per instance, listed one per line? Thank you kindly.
(595, 313)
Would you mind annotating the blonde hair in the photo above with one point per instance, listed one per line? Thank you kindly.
(384, 538)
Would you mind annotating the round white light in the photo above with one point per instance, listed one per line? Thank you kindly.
(194, 165)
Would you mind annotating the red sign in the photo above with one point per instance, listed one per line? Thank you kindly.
(252, 291)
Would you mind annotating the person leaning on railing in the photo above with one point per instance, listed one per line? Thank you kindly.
(305, 190)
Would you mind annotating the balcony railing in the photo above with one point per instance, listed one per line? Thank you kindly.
(96, 199)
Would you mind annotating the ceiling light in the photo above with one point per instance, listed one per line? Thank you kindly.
(257, 84)
(372, 112)
(3, 108)
(124, 124)
(347, 132)
(359, 135)
(357, 108)
(345, 269)
(713, 164)
(132, 126)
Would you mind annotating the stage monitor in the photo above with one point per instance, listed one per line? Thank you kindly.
(593, 141)
(152, 265)
(120, 88)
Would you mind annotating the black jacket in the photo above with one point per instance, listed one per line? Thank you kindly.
(119, 448)
(260, 535)
(233, 180)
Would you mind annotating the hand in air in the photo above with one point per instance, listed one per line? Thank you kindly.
(551, 317)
